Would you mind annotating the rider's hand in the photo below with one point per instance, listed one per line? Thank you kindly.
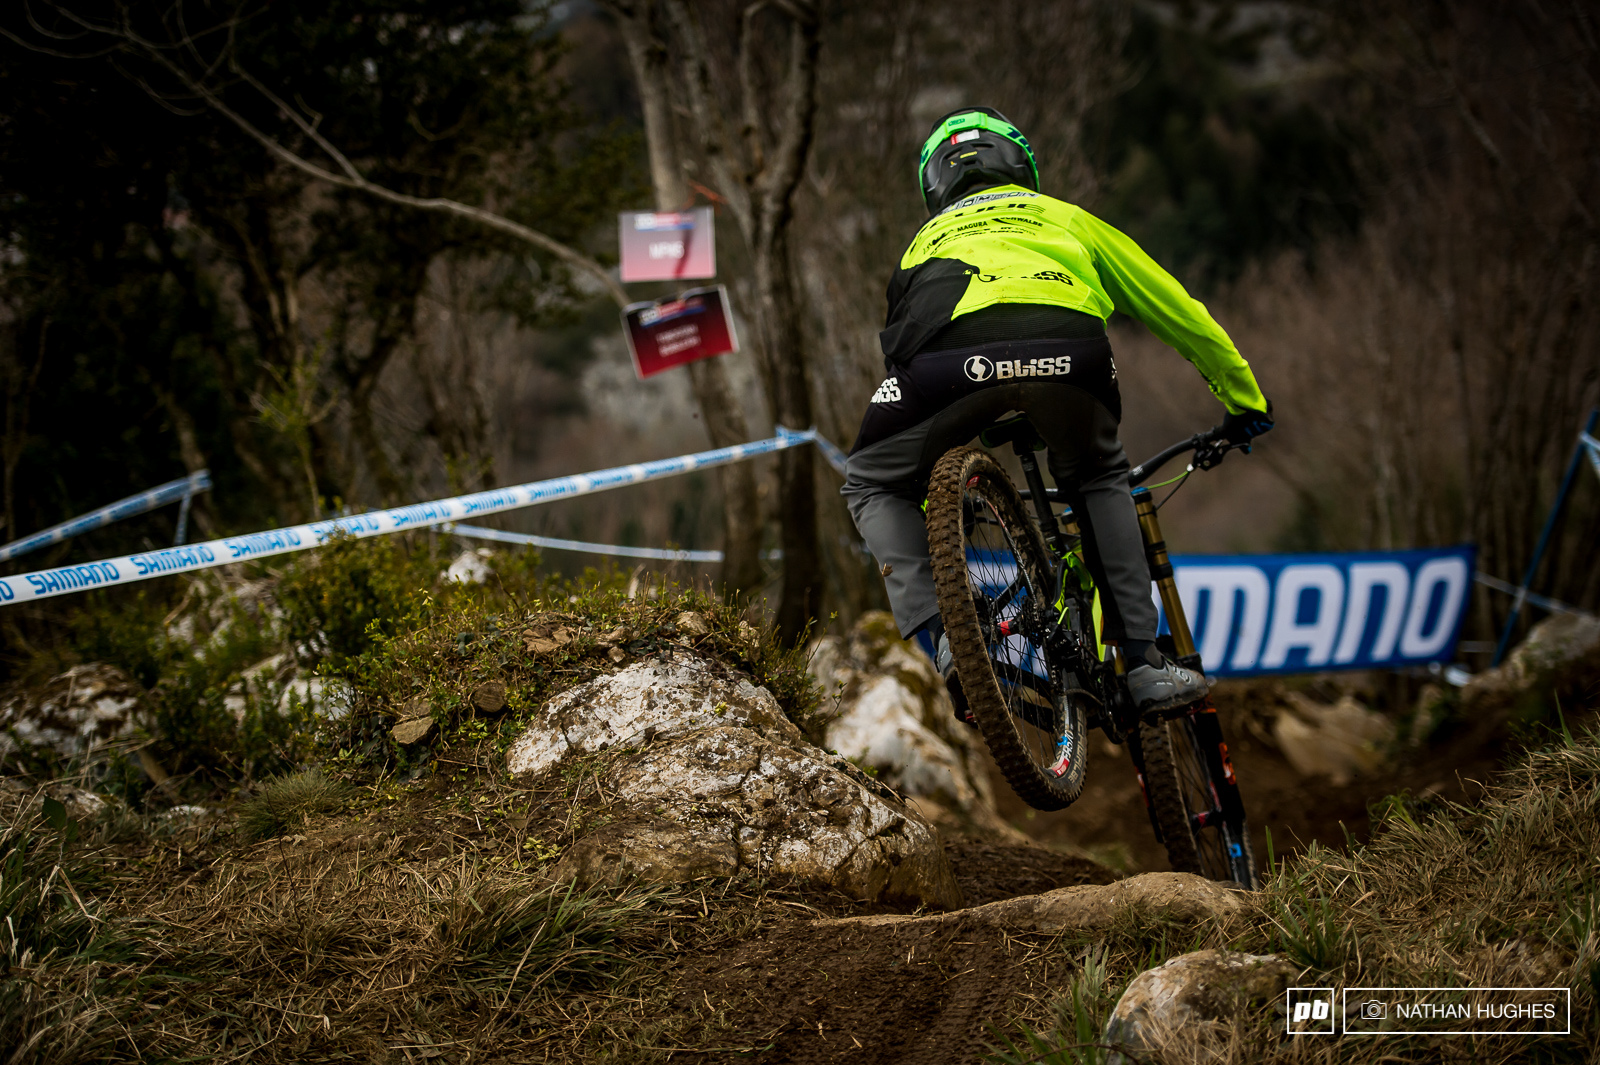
(1242, 427)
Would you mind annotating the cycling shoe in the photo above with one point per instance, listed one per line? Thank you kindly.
(1166, 687)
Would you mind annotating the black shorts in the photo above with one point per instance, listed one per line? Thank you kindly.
(977, 385)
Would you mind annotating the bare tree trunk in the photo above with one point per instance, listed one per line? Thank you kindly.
(764, 220)
(801, 602)
(719, 407)
(759, 181)
(361, 381)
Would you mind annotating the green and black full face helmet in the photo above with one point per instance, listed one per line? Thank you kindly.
(970, 149)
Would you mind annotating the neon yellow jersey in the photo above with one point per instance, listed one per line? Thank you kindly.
(1009, 245)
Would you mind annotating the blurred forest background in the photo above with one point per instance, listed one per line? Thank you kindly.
(1390, 206)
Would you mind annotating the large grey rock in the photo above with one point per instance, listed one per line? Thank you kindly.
(1335, 740)
(648, 700)
(710, 779)
(1194, 998)
(724, 801)
(889, 711)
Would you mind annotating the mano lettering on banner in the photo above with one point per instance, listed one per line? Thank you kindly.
(1291, 613)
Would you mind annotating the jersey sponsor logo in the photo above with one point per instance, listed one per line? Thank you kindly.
(1060, 364)
(888, 392)
(1042, 275)
(978, 368)
(1010, 217)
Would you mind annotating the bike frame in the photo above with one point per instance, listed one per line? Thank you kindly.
(1116, 714)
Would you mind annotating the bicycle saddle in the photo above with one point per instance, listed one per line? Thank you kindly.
(1016, 430)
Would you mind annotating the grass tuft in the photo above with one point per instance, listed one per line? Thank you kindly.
(286, 802)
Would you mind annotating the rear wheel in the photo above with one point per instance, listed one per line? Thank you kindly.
(1194, 798)
(994, 582)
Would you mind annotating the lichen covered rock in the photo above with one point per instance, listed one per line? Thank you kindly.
(1193, 997)
(891, 713)
(648, 700)
(706, 777)
(74, 714)
(1552, 646)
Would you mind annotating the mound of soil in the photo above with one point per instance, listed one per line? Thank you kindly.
(989, 872)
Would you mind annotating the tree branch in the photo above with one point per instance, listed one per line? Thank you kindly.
(751, 131)
(349, 176)
(794, 144)
(708, 116)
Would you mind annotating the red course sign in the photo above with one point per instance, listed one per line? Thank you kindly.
(668, 333)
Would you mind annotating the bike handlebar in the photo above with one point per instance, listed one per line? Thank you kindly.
(1209, 448)
(1205, 444)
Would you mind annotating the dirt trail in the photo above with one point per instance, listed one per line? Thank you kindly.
(899, 994)
(885, 994)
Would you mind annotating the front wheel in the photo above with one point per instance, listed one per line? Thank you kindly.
(995, 585)
(1194, 798)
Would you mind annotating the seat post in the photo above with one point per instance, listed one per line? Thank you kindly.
(1041, 499)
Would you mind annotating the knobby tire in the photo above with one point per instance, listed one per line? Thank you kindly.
(1184, 775)
(1011, 716)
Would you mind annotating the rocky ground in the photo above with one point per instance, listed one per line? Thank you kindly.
(660, 859)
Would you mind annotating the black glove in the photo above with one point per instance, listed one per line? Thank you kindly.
(1243, 427)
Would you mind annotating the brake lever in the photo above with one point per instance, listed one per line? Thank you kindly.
(1208, 456)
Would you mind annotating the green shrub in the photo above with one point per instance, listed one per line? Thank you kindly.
(339, 600)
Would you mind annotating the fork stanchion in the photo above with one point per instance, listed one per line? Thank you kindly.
(1155, 552)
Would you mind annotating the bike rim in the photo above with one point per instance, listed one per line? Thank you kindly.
(1011, 610)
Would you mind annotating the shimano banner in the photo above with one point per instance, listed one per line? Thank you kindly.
(1255, 614)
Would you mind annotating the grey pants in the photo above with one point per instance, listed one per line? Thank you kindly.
(887, 477)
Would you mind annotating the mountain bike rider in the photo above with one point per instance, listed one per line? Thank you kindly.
(1000, 305)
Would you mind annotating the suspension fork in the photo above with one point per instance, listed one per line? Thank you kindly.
(1155, 553)
(1204, 716)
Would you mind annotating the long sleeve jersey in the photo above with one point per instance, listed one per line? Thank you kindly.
(1009, 245)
